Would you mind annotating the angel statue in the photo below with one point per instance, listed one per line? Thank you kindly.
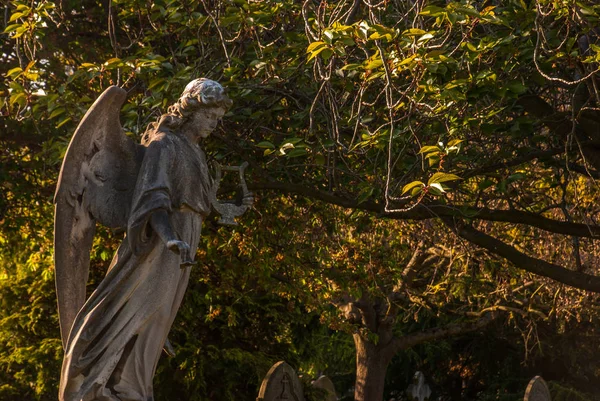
(159, 192)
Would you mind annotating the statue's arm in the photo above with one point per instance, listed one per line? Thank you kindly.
(161, 224)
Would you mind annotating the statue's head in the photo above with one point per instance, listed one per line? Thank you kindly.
(200, 93)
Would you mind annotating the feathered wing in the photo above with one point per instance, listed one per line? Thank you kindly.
(96, 183)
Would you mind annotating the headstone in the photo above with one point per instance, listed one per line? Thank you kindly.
(325, 383)
(418, 390)
(281, 383)
(537, 390)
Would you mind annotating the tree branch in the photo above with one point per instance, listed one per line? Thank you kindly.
(542, 155)
(437, 210)
(436, 333)
(519, 259)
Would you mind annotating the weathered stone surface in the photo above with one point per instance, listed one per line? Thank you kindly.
(159, 192)
(229, 210)
(419, 390)
(325, 383)
(537, 390)
(281, 383)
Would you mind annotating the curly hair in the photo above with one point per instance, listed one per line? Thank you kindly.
(198, 94)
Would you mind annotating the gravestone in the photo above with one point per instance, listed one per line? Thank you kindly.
(537, 390)
(281, 383)
(325, 383)
(419, 390)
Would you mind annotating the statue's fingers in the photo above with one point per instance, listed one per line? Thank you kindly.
(186, 257)
(187, 263)
(174, 246)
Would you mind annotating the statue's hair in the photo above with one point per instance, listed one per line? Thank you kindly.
(198, 94)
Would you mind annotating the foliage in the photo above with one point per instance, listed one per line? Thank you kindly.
(470, 125)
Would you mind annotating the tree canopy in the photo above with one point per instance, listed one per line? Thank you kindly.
(419, 166)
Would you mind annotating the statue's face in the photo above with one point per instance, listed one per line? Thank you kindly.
(204, 121)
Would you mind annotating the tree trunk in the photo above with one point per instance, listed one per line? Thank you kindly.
(371, 365)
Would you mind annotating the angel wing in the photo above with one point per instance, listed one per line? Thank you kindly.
(96, 183)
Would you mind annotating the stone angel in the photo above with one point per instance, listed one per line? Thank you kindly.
(159, 192)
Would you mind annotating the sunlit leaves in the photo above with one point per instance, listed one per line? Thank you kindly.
(414, 188)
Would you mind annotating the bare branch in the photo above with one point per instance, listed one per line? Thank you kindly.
(437, 210)
(436, 333)
(533, 265)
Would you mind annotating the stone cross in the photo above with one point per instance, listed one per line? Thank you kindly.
(537, 390)
(418, 390)
(281, 383)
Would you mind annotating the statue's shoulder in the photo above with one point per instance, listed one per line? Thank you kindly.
(164, 131)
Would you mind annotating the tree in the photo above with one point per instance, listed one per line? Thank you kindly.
(478, 117)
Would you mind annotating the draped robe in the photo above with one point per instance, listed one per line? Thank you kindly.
(117, 337)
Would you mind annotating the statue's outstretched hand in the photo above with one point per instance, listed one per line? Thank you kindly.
(248, 199)
(183, 250)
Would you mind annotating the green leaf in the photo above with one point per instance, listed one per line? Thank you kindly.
(266, 145)
(296, 153)
(468, 11)
(436, 189)
(365, 194)
(429, 148)
(516, 87)
(407, 60)
(11, 28)
(425, 37)
(112, 61)
(15, 72)
(351, 67)
(414, 32)
(294, 140)
(377, 36)
(373, 64)
(57, 112)
(412, 185)
(63, 122)
(433, 159)
(18, 98)
(326, 53)
(285, 147)
(442, 177)
(314, 53)
(16, 16)
(20, 31)
(486, 183)
(314, 45)
(432, 11)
